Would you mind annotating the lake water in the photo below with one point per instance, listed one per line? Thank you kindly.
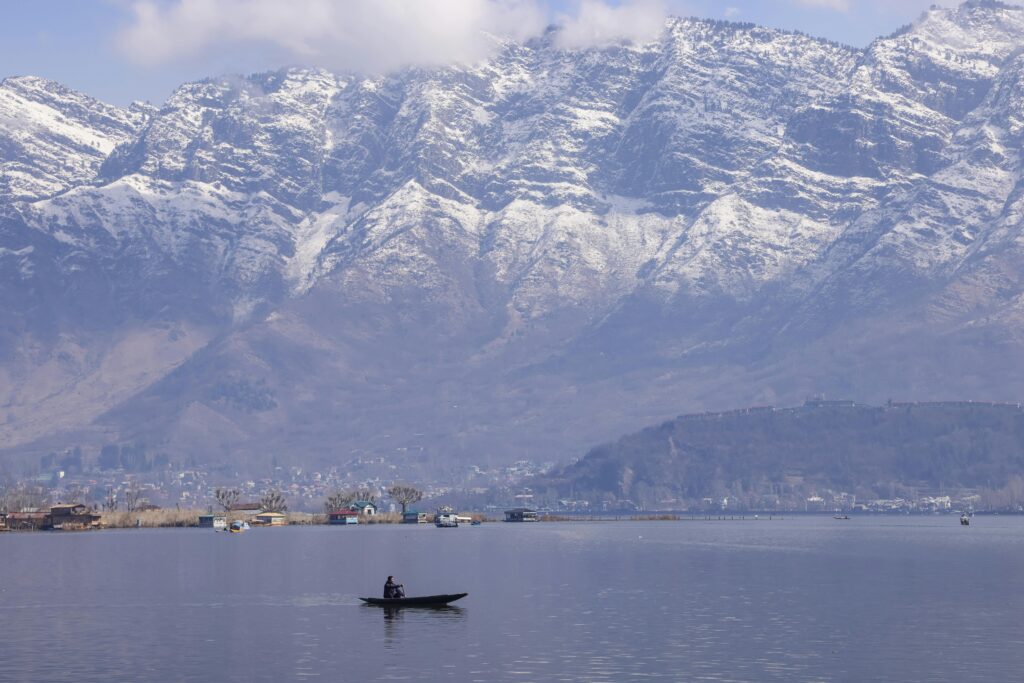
(799, 599)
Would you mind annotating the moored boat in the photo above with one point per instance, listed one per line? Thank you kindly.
(238, 526)
(446, 517)
(417, 601)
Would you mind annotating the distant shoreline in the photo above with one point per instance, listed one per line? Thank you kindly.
(169, 519)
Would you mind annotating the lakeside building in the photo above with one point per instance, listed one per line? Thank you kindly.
(343, 517)
(213, 521)
(520, 515)
(414, 517)
(27, 520)
(364, 507)
(66, 516)
(446, 517)
(270, 519)
(72, 516)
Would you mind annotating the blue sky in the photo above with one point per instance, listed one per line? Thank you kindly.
(122, 50)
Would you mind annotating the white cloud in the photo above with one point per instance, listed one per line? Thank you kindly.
(731, 12)
(597, 23)
(838, 5)
(371, 36)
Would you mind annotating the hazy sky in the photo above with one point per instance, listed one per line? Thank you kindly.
(122, 50)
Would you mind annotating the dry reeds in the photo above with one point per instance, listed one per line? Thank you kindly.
(306, 518)
(150, 518)
(381, 518)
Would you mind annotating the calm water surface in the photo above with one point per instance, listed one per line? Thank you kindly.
(800, 599)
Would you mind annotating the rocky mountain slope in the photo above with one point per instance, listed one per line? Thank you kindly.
(517, 258)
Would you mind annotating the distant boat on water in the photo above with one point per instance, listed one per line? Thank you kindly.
(965, 520)
(238, 526)
(840, 516)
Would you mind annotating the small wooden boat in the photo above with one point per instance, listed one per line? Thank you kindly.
(419, 601)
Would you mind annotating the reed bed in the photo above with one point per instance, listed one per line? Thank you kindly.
(381, 518)
(150, 518)
(306, 518)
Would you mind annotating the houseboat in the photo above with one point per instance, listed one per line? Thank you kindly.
(28, 519)
(343, 517)
(520, 515)
(446, 517)
(72, 516)
(414, 517)
(270, 519)
(217, 522)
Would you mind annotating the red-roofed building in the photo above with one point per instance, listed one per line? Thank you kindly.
(343, 517)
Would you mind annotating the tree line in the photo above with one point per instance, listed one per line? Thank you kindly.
(274, 501)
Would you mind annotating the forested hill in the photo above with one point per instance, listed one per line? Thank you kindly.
(762, 458)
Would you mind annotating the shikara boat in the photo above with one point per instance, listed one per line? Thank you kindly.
(419, 601)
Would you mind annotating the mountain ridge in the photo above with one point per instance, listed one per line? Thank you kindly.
(539, 238)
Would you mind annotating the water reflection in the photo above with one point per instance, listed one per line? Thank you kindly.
(787, 601)
(420, 619)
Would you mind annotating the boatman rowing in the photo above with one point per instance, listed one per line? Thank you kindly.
(392, 589)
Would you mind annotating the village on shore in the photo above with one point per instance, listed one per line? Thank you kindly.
(343, 508)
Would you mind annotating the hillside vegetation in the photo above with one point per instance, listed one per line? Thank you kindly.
(764, 457)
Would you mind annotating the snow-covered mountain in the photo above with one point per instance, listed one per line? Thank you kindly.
(520, 257)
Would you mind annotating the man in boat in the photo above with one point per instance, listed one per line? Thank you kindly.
(392, 589)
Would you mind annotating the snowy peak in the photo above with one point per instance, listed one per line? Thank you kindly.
(265, 133)
(948, 57)
(53, 138)
(723, 191)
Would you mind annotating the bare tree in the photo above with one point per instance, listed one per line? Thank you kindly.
(76, 493)
(110, 502)
(226, 498)
(21, 497)
(273, 501)
(132, 497)
(405, 495)
(365, 494)
(338, 500)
